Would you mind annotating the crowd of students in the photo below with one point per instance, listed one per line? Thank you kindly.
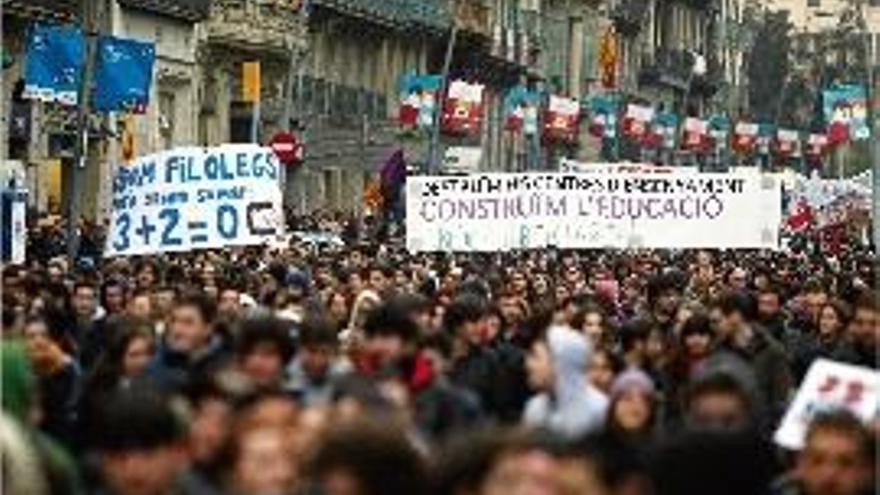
(367, 370)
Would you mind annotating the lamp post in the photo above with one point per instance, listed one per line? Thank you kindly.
(434, 145)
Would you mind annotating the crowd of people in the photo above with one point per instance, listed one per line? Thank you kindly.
(361, 369)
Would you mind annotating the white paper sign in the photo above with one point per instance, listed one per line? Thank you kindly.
(194, 198)
(829, 385)
(497, 212)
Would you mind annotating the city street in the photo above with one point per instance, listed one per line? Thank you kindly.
(452, 247)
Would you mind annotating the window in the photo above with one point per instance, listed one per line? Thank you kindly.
(814, 3)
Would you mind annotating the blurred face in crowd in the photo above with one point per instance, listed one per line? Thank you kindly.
(209, 274)
(141, 306)
(833, 463)
(471, 332)
(43, 352)
(137, 355)
(655, 346)
(164, 301)
(738, 279)
(263, 364)
(830, 323)
(813, 302)
(55, 273)
(316, 360)
(632, 410)
(84, 302)
(667, 303)
(594, 328)
(209, 429)
(601, 373)
(518, 283)
(143, 471)
(719, 410)
(697, 344)
(491, 326)
(511, 309)
(338, 307)
(263, 465)
(865, 326)
(562, 293)
(114, 299)
(540, 286)
(768, 305)
(355, 283)
(229, 303)
(523, 472)
(378, 281)
(385, 349)
(539, 365)
(188, 330)
(146, 277)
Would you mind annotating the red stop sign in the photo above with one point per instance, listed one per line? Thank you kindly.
(287, 147)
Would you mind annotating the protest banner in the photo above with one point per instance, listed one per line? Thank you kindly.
(829, 386)
(498, 212)
(194, 198)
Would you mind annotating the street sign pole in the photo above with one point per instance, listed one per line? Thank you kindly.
(434, 146)
(90, 10)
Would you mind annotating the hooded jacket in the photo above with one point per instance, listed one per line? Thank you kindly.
(574, 407)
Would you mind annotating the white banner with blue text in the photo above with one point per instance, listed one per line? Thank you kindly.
(501, 212)
(196, 198)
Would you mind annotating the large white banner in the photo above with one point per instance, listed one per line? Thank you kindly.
(496, 212)
(195, 198)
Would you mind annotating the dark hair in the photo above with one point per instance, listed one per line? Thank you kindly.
(389, 320)
(634, 331)
(381, 459)
(265, 330)
(845, 423)
(580, 317)
(737, 302)
(697, 323)
(206, 307)
(659, 284)
(124, 331)
(138, 418)
(318, 330)
(464, 309)
(82, 284)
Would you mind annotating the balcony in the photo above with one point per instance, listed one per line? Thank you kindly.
(186, 10)
(416, 15)
(474, 17)
(261, 25)
(672, 68)
(40, 9)
(628, 16)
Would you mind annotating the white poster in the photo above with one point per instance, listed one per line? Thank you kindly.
(498, 212)
(829, 385)
(195, 198)
(19, 227)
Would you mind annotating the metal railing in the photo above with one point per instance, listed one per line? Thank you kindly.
(433, 14)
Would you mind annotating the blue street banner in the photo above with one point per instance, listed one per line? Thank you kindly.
(521, 110)
(196, 198)
(54, 64)
(845, 106)
(124, 74)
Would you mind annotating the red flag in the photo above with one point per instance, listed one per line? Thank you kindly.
(801, 217)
